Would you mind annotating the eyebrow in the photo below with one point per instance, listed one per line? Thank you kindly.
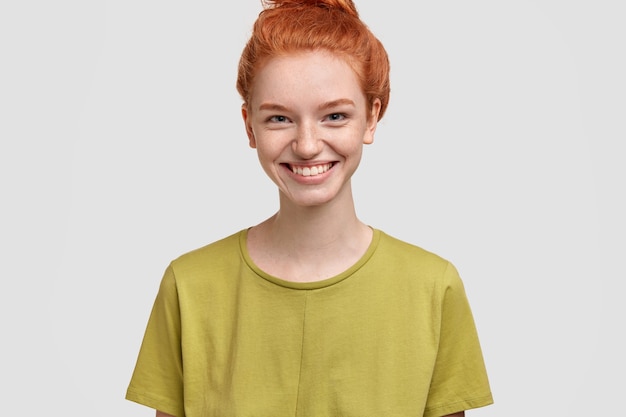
(272, 106)
(323, 106)
(335, 103)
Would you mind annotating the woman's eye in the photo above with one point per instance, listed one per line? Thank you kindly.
(278, 119)
(336, 117)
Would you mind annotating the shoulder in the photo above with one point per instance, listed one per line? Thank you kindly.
(222, 254)
(414, 263)
(396, 250)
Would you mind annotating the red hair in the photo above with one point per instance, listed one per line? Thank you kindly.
(289, 26)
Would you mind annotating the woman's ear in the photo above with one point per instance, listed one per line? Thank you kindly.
(372, 122)
(248, 125)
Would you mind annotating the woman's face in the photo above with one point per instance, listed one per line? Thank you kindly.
(308, 120)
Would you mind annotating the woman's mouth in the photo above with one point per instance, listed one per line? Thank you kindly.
(310, 170)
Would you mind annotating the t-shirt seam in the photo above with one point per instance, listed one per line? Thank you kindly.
(463, 401)
(311, 286)
(136, 394)
(304, 311)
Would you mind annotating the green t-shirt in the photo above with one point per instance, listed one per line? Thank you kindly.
(393, 336)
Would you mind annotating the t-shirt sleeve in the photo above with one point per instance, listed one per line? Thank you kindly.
(459, 380)
(157, 380)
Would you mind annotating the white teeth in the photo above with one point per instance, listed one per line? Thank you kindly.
(310, 171)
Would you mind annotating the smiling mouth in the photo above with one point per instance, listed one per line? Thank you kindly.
(310, 171)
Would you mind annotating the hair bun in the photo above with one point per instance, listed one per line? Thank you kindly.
(346, 6)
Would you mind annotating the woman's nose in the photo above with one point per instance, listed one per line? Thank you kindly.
(308, 142)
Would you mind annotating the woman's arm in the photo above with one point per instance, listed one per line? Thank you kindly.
(162, 414)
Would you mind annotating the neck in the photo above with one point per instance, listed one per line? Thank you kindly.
(312, 231)
(309, 243)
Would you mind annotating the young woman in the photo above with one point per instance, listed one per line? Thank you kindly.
(311, 313)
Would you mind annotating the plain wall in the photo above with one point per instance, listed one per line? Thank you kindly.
(122, 147)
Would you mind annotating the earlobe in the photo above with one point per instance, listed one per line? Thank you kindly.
(246, 122)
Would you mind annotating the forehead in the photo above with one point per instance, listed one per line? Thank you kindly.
(311, 73)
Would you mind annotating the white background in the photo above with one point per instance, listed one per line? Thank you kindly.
(122, 147)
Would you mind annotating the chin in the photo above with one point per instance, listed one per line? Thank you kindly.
(313, 200)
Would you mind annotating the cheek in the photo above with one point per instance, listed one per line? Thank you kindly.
(262, 153)
(266, 152)
(352, 146)
(270, 144)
